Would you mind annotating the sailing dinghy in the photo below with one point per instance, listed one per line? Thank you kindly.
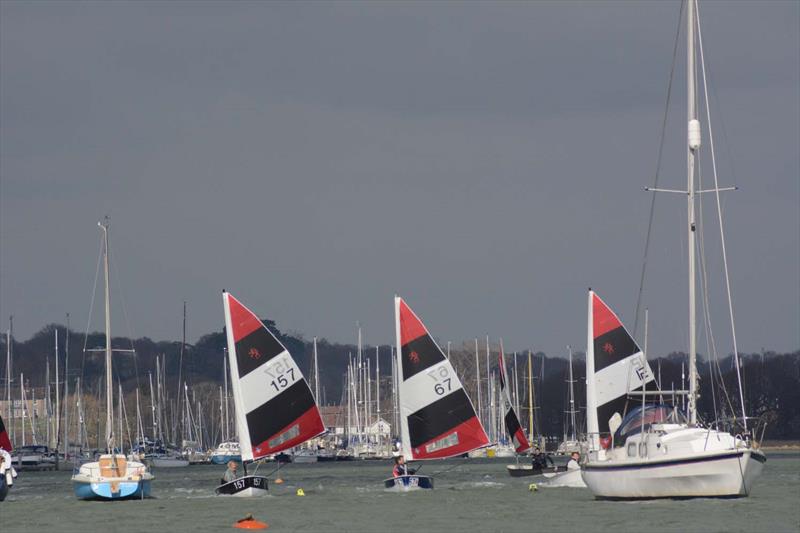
(513, 426)
(437, 419)
(275, 409)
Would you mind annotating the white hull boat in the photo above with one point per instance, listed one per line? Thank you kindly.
(671, 468)
(652, 450)
(169, 462)
(569, 479)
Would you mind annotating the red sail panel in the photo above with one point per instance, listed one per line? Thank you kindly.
(307, 426)
(5, 442)
(603, 318)
(411, 326)
(243, 321)
(469, 435)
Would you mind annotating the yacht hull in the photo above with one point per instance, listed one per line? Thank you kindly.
(112, 490)
(725, 474)
(223, 459)
(169, 462)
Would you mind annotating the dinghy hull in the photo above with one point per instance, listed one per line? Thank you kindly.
(408, 483)
(528, 470)
(246, 486)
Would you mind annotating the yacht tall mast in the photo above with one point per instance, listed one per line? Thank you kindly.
(9, 403)
(693, 147)
(66, 391)
(573, 424)
(109, 383)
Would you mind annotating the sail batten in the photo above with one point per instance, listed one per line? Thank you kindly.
(275, 408)
(437, 417)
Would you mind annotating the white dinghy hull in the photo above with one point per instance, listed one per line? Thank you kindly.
(569, 479)
(727, 474)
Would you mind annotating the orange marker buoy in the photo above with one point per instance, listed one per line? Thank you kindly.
(248, 522)
(278, 481)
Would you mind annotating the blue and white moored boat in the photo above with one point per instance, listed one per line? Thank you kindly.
(112, 476)
(226, 451)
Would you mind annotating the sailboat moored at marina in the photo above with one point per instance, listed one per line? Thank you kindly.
(112, 476)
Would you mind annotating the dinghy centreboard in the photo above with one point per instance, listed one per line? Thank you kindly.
(437, 418)
(275, 409)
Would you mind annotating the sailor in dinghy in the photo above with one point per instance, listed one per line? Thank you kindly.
(275, 409)
(437, 419)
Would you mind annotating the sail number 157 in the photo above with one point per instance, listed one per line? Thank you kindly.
(441, 377)
(282, 374)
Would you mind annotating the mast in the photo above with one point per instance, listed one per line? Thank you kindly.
(139, 423)
(8, 380)
(478, 379)
(66, 391)
(516, 385)
(316, 373)
(592, 425)
(58, 404)
(571, 398)
(489, 397)
(152, 404)
(227, 401)
(530, 398)
(22, 399)
(109, 383)
(693, 147)
(48, 407)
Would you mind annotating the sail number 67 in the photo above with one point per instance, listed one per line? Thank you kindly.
(441, 377)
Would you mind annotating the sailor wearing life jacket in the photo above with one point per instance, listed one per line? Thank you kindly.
(6, 469)
(401, 468)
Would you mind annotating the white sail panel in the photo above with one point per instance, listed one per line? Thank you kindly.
(275, 409)
(437, 417)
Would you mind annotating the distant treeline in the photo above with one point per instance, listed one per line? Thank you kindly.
(771, 380)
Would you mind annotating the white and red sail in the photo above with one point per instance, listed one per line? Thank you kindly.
(513, 426)
(615, 367)
(437, 418)
(5, 442)
(275, 409)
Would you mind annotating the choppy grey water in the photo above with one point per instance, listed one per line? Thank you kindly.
(477, 496)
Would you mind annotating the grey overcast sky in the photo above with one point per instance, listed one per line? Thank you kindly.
(484, 160)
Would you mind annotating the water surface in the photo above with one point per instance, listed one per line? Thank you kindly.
(476, 496)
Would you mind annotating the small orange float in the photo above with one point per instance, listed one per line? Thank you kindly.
(248, 522)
